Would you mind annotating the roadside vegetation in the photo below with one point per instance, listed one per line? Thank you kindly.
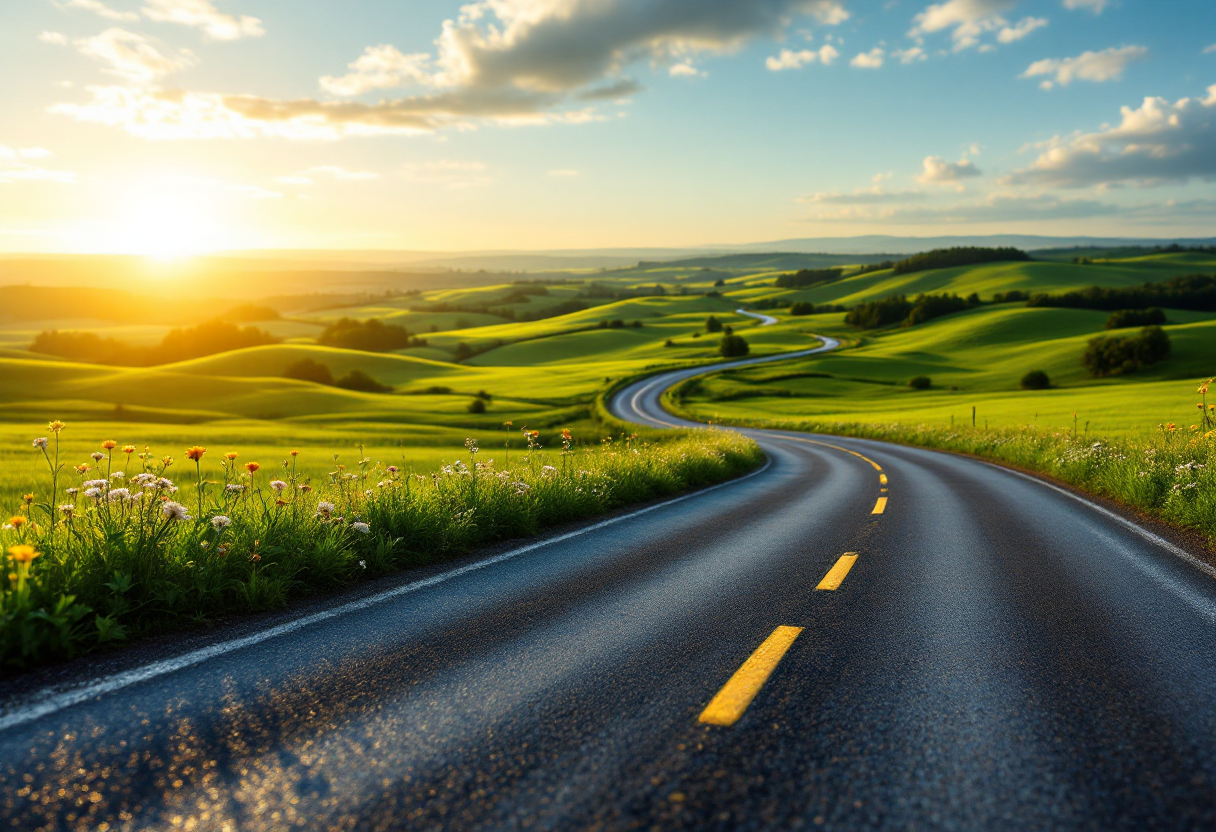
(126, 542)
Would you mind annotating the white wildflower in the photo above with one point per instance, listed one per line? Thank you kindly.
(94, 493)
(278, 485)
(361, 528)
(67, 509)
(325, 509)
(362, 564)
(96, 483)
(40, 443)
(234, 488)
(220, 521)
(174, 511)
(118, 475)
(117, 494)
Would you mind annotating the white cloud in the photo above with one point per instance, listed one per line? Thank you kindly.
(684, 69)
(57, 38)
(504, 62)
(130, 56)
(994, 208)
(1107, 65)
(203, 15)
(100, 8)
(868, 60)
(1156, 143)
(909, 55)
(789, 59)
(1095, 6)
(1210, 49)
(565, 173)
(876, 195)
(1020, 29)
(15, 167)
(937, 171)
(969, 20)
(380, 67)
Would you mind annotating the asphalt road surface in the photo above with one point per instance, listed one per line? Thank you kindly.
(995, 654)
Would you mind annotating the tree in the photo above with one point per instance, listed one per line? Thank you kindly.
(307, 369)
(361, 382)
(1122, 354)
(477, 406)
(712, 324)
(920, 383)
(733, 346)
(802, 307)
(1036, 380)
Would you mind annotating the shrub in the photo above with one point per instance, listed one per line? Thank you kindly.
(1035, 380)
(373, 335)
(306, 369)
(802, 307)
(733, 346)
(712, 324)
(928, 307)
(1125, 318)
(1121, 354)
(1012, 296)
(879, 313)
(477, 406)
(362, 382)
(920, 383)
(616, 323)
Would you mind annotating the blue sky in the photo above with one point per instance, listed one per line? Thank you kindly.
(190, 125)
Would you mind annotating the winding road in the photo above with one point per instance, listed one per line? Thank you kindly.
(856, 636)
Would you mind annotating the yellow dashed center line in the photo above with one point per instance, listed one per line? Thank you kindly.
(836, 575)
(880, 506)
(731, 702)
(882, 478)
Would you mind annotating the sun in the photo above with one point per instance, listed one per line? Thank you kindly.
(166, 227)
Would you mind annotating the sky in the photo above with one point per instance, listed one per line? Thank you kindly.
(170, 127)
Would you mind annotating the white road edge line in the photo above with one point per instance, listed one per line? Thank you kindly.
(765, 320)
(52, 699)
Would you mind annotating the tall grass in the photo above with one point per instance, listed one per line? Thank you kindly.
(132, 543)
(1168, 472)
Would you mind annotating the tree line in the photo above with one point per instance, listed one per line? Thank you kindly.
(945, 258)
(180, 344)
(1196, 292)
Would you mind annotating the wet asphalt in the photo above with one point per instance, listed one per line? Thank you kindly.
(1002, 656)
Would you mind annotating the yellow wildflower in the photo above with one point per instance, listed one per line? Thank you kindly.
(23, 553)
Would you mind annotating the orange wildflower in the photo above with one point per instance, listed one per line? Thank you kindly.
(23, 553)
(17, 522)
(109, 445)
(252, 467)
(28, 498)
(231, 455)
(294, 453)
(128, 449)
(196, 453)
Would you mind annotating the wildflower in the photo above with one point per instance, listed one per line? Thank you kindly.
(128, 449)
(109, 445)
(231, 455)
(174, 511)
(278, 485)
(220, 521)
(17, 522)
(280, 502)
(392, 469)
(117, 494)
(56, 426)
(471, 444)
(566, 434)
(305, 487)
(118, 475)
(325, 509)
(167, 461)
(234, 488)
(252, 467)
(68, 509)
(361, 528)
(195, 454)
(83, 469)
(521, 487)
(41, 443)
(73, 490)
(362, 564)
(28, 499)
(92, 493)
(98, 456)
(144, 478)
(548, 469)
(96, 483)
(255, 557)
(294, 453)
(23, 553)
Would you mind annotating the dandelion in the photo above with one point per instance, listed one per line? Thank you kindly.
(174, 511)
(109, 445)
(278, 485)
(41, 443)
(195, 454)
(361, 528)
(252, 467)
(17, 522)
(55, 426)
(23, 554)
(220, 521)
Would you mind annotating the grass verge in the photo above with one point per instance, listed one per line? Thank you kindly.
(1169, 473)
(115, 548)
